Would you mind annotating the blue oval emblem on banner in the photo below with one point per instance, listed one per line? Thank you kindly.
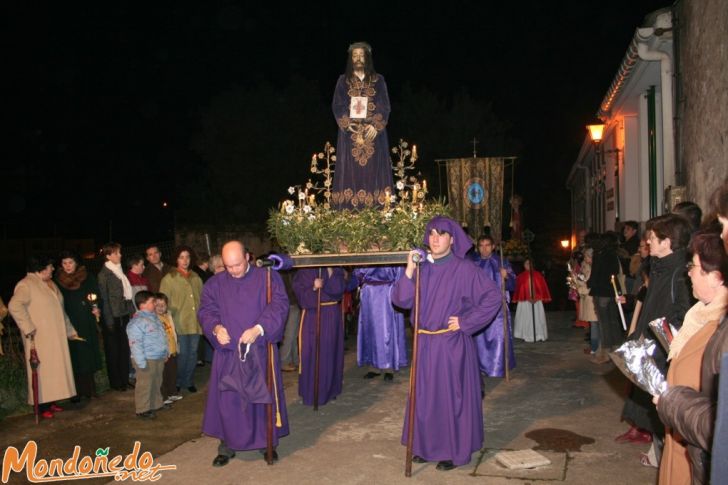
(476, 193)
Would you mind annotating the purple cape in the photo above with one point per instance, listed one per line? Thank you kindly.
(489, 342)
(448, 408)
(331, 350)
(239, 304)
(363, 171)
(381, 338)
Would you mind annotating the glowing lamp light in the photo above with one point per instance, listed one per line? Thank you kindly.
(565, 243)
(164, 204)
(596, 132)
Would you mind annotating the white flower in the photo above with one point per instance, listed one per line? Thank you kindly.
(285, 222)
(332, 149)
(407, 153)
(306, 209)
(394, 150)
(321, 156)
(387, 215)
(333, 158)
(400, 185)
(291, 190)
(392, 199)
(301, 195)
(290, 208)
(404, 144)
(417, 186)
(311, 217)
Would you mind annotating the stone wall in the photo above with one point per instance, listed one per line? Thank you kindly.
(254, 237)
(702, 107)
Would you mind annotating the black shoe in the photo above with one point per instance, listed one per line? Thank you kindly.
(275, 455)
(371, 375)
(388, 376)
(164, 407)
(445, 465)
(221, 460)
(76, 399)
(418, 459)
(192, 389)
(147, 415)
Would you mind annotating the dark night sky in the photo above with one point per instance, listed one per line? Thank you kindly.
(106, 98)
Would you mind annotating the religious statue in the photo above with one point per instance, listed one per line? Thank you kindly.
(363, 176)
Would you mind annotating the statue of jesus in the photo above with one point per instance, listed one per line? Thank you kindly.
(363, 176)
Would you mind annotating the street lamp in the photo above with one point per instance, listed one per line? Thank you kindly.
(596, 132)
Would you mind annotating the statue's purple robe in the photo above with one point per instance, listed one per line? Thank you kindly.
(239, 304)
(381, 338)
(489, 342)
(448, 408)
(331, 350)
(363, 170)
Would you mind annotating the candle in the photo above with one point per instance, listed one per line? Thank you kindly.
(414, 152)
(424, 186)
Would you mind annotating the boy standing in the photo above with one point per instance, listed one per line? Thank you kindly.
(169, 376)
(149, 350)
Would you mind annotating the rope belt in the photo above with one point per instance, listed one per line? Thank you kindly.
(329, 303)
(434, 332)
(279, 423)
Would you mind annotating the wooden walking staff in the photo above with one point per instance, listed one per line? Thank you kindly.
(506, 329)
(318, 348)
(271, 387)
(413, 376)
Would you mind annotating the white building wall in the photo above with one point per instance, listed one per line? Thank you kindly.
(634, 183)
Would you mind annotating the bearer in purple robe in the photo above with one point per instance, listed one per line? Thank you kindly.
(457, 300)
(489, 342)
(306, 285)
(361, 107)
(234, 311)
(381, 338)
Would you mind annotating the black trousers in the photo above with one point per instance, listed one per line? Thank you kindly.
(116, 349)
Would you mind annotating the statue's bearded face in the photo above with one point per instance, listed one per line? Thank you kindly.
(358, 58)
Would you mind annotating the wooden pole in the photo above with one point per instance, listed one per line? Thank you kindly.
(506, 314)
(269, 407)
(533, 303)
(318, 349)
(413, 378)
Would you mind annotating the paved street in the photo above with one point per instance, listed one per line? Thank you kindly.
(557, 402)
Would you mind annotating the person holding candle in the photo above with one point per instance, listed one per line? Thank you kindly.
(361, 108)
(76, 284)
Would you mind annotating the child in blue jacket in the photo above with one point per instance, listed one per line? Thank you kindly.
(149, 351)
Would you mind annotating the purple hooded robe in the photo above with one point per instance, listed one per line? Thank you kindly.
(489, 342)
(448, 409)
(239, 304)
(381, 337)
(331, 351)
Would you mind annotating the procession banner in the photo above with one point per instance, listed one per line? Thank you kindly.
(475, 188)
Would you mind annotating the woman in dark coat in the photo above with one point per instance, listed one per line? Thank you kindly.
(76, 285)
